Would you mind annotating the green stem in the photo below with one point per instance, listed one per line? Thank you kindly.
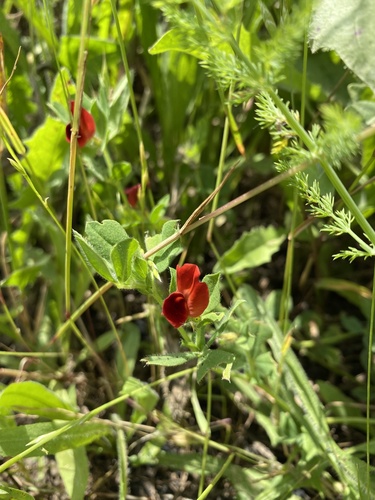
(137, 124)
(48, 437)
(207, 435)
(220, 170)
(288, 271)
(329, 171)
(5, 215)
(304, 80)
(16, 332)
(218, 476)
(81, 309)
(368, 385)
(73, 149)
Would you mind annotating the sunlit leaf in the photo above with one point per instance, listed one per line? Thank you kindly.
(347, 27)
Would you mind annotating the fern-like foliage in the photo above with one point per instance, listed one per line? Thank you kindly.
(234, 54)
(339, 221)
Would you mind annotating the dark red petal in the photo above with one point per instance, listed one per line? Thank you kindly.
(175, 309)
(187, 276)
(198, 299)
(68, 132)
(132, 194)
(86, 127)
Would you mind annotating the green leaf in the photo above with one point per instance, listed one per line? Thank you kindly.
(35, 399)
(46, 149)
(103, 236)
(15, 440)
(37, 18)
(144, 395)
(159, 209)
(96, 47)
(226, 372)
(213, 283)
(347, 28)
(122, 456)
(7, 493)
(26, 275)
(163, 257)
(253, 249)
(122, 258)
(74, 470)
(121, 170)
(174, 359)
(174, 40)
(212, 359)
(96, 261)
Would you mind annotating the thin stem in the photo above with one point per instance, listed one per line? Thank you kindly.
(228, 206)
(218, 476)
(207, 435)
(16, 332)
(81, 309)
(88, 192)
(137, 124)
(329, 171)
(73, 148)
(46, 438)
(304, 80)
(368, 385)
(219, 177)
(288, 271)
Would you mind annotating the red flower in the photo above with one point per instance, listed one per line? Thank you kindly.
(86, 128)
(190, 299)
(132, 194)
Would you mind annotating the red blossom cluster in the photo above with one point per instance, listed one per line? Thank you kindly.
(189, 300)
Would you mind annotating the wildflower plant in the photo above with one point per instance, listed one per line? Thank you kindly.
(147, 285)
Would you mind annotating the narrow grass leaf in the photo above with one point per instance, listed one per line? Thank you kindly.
(174, 359)
(8, 493)
(122, 455)
(74, 470)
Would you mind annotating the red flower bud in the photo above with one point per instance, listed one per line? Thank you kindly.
(86, 127)
(132, 194)
(190, 299)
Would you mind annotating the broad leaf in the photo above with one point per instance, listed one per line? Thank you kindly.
(46, 149)
(100, 265)
(347, 27)
(33, 398)
(253, 249)
(213, 283)
(122, 258)
(212, 359)
(15, 440)
(174, 40)
(104, 235)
